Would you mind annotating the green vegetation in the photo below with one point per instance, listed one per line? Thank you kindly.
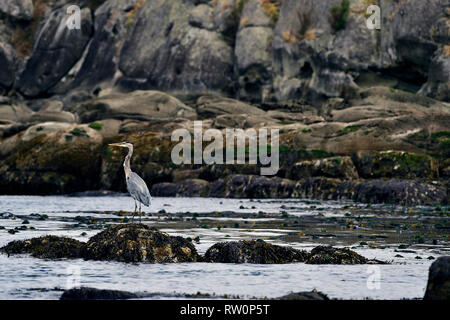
(337, 161)
(306, 130)
(437, 143)
(349, 129)
(321, 153)
(96, 126)
(79, 132)
(339, 15)
(39, 128)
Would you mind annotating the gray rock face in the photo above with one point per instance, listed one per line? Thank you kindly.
(101, 61)
(438, 287)
(253, 50)
(163, 51)
(438, 84)
(8, 61)
(259, 52)
(18, 9)
(56, 50)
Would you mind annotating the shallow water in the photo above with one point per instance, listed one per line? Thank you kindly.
(24, 277)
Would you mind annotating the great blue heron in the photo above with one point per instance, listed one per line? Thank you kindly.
(136, 185)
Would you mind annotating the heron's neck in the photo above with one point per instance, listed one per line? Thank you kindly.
(126, 163)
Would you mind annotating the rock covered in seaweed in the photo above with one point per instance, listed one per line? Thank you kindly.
(330, 255)
(438, 287)
(252, 252)
(86, 293)
(139, 243)
(46, 247)
(306, 295)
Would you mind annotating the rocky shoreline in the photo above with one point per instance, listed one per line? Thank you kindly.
(360, 115)
(141, 243)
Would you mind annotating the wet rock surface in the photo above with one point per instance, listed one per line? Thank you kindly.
(330, 255)
(252, 252)
(307, 295)
(438, 287)
(47, 247)
(86, 293)
(139, 243)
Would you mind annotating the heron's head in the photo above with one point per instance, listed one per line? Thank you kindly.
(125, 144)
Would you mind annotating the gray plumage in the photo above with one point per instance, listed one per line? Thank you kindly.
(136, 186)
(138, 189)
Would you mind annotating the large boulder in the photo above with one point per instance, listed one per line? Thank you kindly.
(52, 162)
(252, 252)
(330, 255)
(14, 113)
(55, 52)
(138, 105)
(438, 286)
(163, 50)
(46, 247)
(139, 243)
(395, 164)
(213, 106)
(335, 167)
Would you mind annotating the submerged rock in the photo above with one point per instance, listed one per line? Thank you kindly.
(86, 293)
(438, 287)
(46, 247)
(139, 243)
(253, 252)
(330, 255)
(306, 295)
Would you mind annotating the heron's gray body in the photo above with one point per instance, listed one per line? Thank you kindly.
(138, 189)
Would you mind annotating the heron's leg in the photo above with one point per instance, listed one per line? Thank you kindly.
(135, 209)
(140, 212)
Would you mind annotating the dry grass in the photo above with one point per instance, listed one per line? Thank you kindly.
(447, 50)
(289, 37)
(133, 11)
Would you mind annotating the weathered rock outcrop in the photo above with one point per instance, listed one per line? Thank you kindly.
(46, 247)
(253, 186)
(330, 255)
(139, 243)
(55, 52)
(438, 286)
(139, 105)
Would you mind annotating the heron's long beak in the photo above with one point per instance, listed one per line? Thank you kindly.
(119, 144)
